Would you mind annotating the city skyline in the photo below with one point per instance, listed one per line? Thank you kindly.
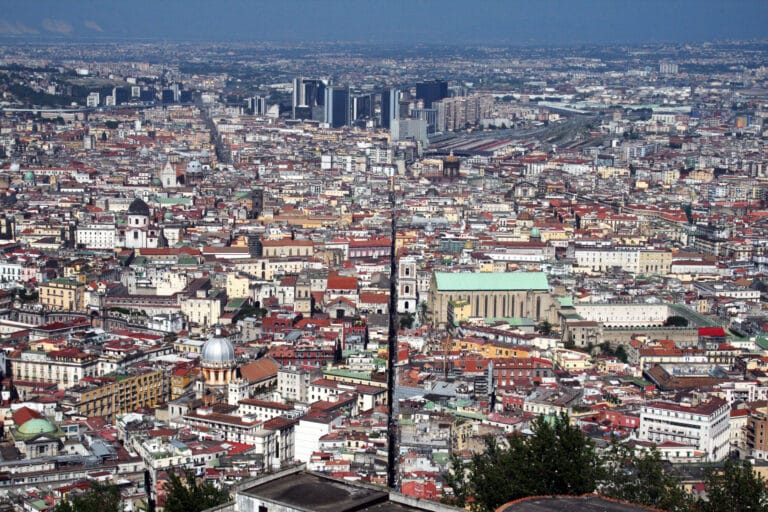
(548, 22)
(320, 254)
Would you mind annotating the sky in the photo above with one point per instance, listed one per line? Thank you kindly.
(514, 22)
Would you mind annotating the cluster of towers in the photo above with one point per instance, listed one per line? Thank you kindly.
(336, 105)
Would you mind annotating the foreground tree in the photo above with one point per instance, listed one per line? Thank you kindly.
(642, 479)
(556, 459)
(737, 488)
(188, 495)
(98, 498)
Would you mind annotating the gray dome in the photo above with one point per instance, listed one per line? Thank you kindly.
(138, 207)
(218, 350)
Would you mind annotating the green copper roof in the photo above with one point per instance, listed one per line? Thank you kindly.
(347, 373)
(491, 281)
(37, 426)
(512, 321)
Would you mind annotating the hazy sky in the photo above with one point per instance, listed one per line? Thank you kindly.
(405, 21)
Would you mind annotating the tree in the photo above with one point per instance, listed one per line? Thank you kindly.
(98, 498)
(188, 495)
(557, 459)
(641, 478)
(545, 328)
(406, 320)
(621, 354)
(737, 488)
(676, 321)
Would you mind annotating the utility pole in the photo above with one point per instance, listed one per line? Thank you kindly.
(392, 449)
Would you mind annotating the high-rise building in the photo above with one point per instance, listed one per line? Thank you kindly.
(433, 90)
(92, 100)
(390, 107)
(457, 113)
(362, 107)
(256, 105)
(409, 128)
(427, 114)
(308, 96)
(337, 106)
(668, 68)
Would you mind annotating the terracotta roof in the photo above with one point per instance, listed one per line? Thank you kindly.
(373, 298)
(23, 415)
(259, 370)
(279, 423)
(337, 282)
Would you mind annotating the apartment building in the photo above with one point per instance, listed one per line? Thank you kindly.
(704, 426)
(63, 367)
(121, 394)
(63, 294)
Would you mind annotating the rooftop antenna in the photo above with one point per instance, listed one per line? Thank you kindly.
(392, 348)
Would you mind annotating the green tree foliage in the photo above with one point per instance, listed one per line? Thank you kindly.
(736, 488)
(556, 459)
(185, 494)
(676, 321)
(98, 498)
(641, 478)
(621, 354)
(406, 320)
(545, 328)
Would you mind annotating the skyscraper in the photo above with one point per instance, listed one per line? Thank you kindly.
(256, 105)
(362, 107)
(337, 106)
(433, 90)
(390, 107)
(308, 95)
(460, 112)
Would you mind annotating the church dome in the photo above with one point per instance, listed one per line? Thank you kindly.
(535, 233)
(37, 426)
(138, 207)
(218, 350)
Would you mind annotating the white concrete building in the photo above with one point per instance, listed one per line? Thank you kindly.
(625, 315)
(96, 236)
(310, 429)
(293, 383)
(705, 426)
(629, 259)
(10, 273)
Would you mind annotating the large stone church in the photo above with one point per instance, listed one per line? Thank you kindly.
(491, 295)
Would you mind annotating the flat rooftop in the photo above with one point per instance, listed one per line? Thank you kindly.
(588, 503)
(312, 492)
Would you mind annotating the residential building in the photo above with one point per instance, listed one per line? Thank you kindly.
(703, 426)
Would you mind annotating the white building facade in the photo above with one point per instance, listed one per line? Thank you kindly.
(705, 426)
